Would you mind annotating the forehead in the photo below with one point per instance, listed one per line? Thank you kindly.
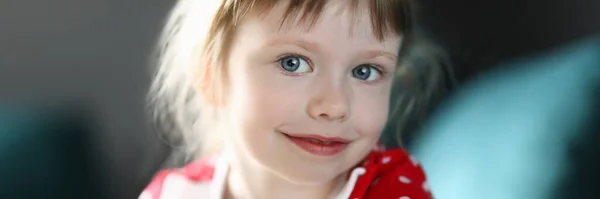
(336, 20)
(386, 17)
(335, 36)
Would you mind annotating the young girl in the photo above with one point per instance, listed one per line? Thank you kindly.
(282, 99)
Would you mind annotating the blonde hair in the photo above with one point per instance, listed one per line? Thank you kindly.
(194, 46)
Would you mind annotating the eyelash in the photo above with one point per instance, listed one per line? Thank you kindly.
(381, 71)
(294, 55)
(377, 67)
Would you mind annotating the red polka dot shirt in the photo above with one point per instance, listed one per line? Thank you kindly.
(384, 174)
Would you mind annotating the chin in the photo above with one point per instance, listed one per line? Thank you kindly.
(303, 172)
(308, 177)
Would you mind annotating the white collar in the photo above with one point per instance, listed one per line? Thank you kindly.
(217, 186)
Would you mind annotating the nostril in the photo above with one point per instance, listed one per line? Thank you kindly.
(332, 116)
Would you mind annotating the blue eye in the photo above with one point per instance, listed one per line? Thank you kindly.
(294, 64)
(366, 72)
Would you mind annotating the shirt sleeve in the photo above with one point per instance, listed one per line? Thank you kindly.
(406, 181)
(172, 183)
(394, 174)
(154, 189)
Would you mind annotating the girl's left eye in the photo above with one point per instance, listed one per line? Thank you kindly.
(294, 64)
(366, 72)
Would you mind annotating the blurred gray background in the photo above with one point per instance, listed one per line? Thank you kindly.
(92, 52)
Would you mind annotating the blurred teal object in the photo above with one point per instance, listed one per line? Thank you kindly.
(528, 130)
(44, 153)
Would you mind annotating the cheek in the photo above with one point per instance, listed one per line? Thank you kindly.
(370, 114)
(262, 101)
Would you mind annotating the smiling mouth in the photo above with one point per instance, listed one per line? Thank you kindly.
(319, 145)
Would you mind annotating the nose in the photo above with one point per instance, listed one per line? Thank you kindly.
(330, 104)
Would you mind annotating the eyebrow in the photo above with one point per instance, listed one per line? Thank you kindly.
(306, 45)
(375, 53)
(314, 47)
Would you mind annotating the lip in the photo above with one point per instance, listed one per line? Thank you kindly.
(322, 138)
(319, 145)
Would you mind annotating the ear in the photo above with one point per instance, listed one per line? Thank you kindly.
(208, 81)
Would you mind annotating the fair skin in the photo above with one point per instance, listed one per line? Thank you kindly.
(300, 81)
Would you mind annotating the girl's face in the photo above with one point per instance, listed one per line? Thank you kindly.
(309, 103)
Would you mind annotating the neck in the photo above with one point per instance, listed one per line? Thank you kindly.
(249, 180)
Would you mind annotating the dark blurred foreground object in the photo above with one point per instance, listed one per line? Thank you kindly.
(528, 130)
(482, 34)
(44, 153)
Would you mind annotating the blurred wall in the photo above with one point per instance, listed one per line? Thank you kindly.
(482, 33)
(95, 51)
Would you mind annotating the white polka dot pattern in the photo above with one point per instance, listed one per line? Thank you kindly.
(425, 186)
(404, 180)
(386, 160)
(414, 161)
(391, 174)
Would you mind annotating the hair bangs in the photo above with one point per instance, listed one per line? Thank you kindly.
(386, 16)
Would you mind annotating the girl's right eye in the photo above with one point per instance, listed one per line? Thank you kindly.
(294, 64)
